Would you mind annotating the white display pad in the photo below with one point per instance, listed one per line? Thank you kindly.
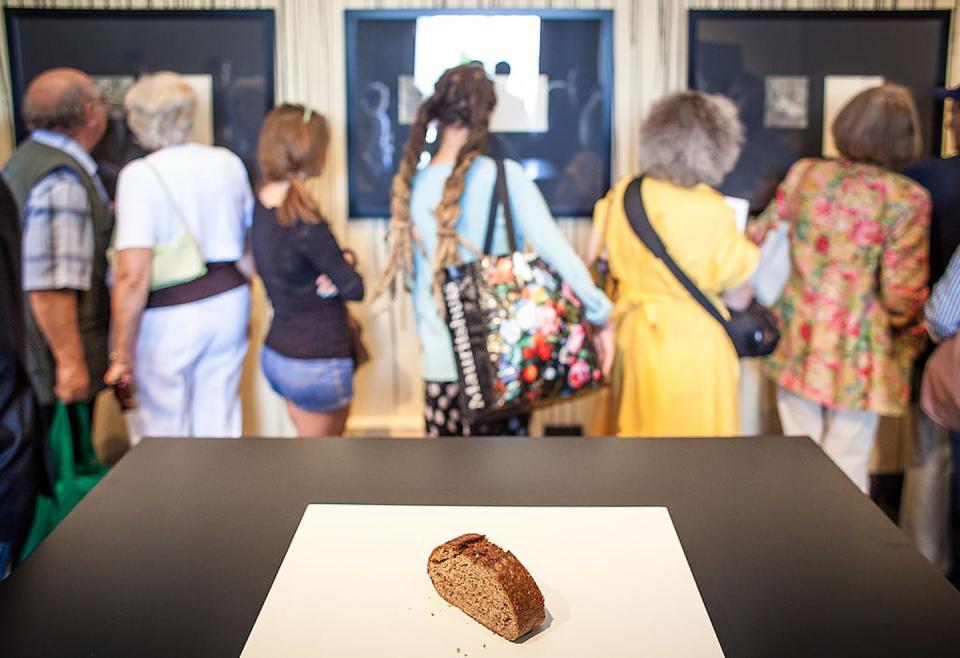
(354, 583)
(838, 90)
(741, 210)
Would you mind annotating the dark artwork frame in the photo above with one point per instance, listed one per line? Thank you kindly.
(763, 165)
(244, 83)
(361, 207)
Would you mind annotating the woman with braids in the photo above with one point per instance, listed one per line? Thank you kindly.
(439, 217)
(306, 357)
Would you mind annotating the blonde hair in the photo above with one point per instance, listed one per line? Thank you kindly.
(690, 138)
(880, 126)
(292, 147)
(463, 96)
(160, 109)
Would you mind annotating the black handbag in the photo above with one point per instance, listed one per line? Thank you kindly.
(753, 331)
(520, 334)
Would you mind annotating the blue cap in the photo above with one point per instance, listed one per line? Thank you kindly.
(943, 93)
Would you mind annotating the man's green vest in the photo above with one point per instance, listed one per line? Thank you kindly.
(31, 163)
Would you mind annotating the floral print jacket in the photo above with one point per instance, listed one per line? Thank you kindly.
(851, 315)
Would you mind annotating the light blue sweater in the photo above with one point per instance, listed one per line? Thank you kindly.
(534, 224)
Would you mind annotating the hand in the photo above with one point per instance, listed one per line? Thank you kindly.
(73, 382)
(350, 257)
(119, 377)
(325, 287)
(604, 342)
(118, 374)
(738, 299)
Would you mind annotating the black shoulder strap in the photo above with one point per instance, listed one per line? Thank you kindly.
(640, 223)
(500, 197)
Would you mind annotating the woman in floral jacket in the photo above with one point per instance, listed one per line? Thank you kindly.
(851, 312)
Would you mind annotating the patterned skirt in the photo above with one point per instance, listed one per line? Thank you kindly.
(441, 412)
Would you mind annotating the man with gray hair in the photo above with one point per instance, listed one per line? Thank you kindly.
(67, 225)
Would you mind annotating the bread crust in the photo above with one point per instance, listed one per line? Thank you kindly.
(523, 594)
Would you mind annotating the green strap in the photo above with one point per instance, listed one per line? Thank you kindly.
(63, 442)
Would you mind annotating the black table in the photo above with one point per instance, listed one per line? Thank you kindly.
(174, 552)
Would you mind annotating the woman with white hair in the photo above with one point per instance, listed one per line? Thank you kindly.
(180, 305)
(680, 369)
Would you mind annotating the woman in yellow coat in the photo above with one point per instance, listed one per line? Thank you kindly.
(680, 372)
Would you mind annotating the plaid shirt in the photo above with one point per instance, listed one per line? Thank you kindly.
(57, 223)
(943, 307)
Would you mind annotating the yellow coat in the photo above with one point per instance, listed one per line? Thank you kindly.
(680, 370)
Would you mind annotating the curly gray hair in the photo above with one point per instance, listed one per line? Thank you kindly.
(690, 138)
(160, 109)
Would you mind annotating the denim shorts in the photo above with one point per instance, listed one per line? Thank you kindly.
(316, 385)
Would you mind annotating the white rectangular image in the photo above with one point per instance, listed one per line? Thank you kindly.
(114, 88)
(838, 90)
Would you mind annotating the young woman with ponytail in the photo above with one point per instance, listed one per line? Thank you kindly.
(439, 218)
(306, 357)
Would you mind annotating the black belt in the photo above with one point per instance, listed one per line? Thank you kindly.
(220, 277)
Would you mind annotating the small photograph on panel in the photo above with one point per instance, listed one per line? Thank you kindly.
(786, 102)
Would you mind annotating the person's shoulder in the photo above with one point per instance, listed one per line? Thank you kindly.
(513, 170)
(309, 234)
(483, 173)
(134, 166)
(903, 186)
(133, 172)
(901, 192)
(484, 164)
(670, 192)
(59, 176)
(61, 183)
(619, 188)
(212, 154)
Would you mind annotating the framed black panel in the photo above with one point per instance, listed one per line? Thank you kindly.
(232, 52)
(776, 64)
(554, 105)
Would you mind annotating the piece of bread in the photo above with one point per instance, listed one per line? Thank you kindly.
(488, 583)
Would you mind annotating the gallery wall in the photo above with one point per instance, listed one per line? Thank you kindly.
(650, 44)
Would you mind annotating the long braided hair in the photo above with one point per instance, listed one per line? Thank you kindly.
(463, 96)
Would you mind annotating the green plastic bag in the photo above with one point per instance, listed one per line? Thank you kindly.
(76, 474)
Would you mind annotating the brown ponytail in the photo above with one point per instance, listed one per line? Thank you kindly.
(401, 235)
(293, 146)
(463, 96)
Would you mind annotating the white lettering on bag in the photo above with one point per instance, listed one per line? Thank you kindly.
(461, 347)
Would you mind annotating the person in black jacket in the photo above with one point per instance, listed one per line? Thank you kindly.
(23, 462)
(307, 356)
(925, 503)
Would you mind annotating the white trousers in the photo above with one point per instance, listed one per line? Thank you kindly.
(846, 436)
(188, 365)
(925, 506)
